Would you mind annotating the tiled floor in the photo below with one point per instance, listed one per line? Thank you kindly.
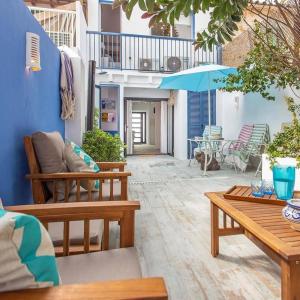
(173, 234)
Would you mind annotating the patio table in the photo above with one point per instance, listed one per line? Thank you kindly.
(209, 149)
(263, 224)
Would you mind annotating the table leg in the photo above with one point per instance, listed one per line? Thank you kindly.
(290, 276)
(214, 221)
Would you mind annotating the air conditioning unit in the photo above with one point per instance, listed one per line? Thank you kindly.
(145, 64)
(175, 63)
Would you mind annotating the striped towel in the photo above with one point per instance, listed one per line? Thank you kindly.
(244, 137)
(66, 87)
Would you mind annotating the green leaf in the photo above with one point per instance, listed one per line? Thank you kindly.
(130, 7)
(150, 5)
(142, 5)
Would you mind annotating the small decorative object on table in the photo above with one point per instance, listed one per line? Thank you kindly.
(292, 213)
(284, 181)
(268, 187)
(257, 188)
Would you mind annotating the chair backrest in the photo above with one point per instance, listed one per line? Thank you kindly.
(214, 130)
(260, 135)
(39, 190)
(244, 136)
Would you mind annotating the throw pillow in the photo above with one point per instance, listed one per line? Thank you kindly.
(78, 161)
(49, 148)
(27, 257)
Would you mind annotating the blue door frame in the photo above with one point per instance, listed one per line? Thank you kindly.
(198, 113)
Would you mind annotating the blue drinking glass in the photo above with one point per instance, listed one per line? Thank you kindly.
(284, 181)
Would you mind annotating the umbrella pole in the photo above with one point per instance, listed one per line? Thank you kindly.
(209, 107)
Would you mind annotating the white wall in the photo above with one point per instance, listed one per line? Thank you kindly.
(180, 125)
(164, 127)
(146, 93)
(93, 15)
(250, 108)
(136, 25)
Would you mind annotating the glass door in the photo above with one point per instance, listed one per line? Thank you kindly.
(139, 127)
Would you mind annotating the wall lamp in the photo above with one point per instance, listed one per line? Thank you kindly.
(33, 57)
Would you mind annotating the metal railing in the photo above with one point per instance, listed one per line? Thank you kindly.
(59, 24)
(123, 51)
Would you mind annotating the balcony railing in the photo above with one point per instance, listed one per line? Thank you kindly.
(59, 24)
(146, 53)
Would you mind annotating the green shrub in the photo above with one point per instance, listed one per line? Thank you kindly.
(286, 143)
(102, 146)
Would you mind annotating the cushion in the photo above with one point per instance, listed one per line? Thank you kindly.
(117, 264)
(78, 161)
(76, 232)
(27, 255)
(49, 148)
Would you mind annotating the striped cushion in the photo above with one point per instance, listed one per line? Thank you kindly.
(214, 130)
(84, 159)
(243, 137)
(260, 135)
(27, 255)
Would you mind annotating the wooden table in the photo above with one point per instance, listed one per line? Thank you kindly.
(263, 225)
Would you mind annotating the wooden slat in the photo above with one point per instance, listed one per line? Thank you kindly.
(66, 241)
(77, 190)
(105, 238)
(111, 190)
(90, 190)
(86, 236)
(67, 190)
(100, 190)
(54, 191)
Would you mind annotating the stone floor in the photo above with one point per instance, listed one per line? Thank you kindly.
(173, 234)
(145, 149)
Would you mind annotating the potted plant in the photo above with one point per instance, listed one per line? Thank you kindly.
(284, 157)
(102, 146)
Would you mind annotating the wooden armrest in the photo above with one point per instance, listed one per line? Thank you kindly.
(78, 175)
(58, 212)
(109, 166)
(148, 288)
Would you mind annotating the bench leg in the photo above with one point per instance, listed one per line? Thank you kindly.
(214, 214)
(290, 276)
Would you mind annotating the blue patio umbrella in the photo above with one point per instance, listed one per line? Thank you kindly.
(198, 79)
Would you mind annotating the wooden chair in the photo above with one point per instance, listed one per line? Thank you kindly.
(148, 288)
(107, 174)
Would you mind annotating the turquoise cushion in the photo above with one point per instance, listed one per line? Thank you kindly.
(88, 161)
(27, 254)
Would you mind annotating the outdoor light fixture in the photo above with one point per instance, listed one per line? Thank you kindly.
(33, 61)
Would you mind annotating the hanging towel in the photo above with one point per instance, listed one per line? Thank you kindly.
(66, 88)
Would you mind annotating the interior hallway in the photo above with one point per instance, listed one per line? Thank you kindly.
(173, 234)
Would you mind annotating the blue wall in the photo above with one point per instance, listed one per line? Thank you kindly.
(29, 101)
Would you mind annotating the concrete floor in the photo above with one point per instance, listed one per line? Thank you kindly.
(173, 234)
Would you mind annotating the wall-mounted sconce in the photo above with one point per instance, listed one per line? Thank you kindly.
(33, 58)
(237, 102)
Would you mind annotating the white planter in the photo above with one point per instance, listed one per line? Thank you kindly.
(267, 172)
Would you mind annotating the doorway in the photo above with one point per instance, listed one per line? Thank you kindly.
(110, 24)
(145, 126)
